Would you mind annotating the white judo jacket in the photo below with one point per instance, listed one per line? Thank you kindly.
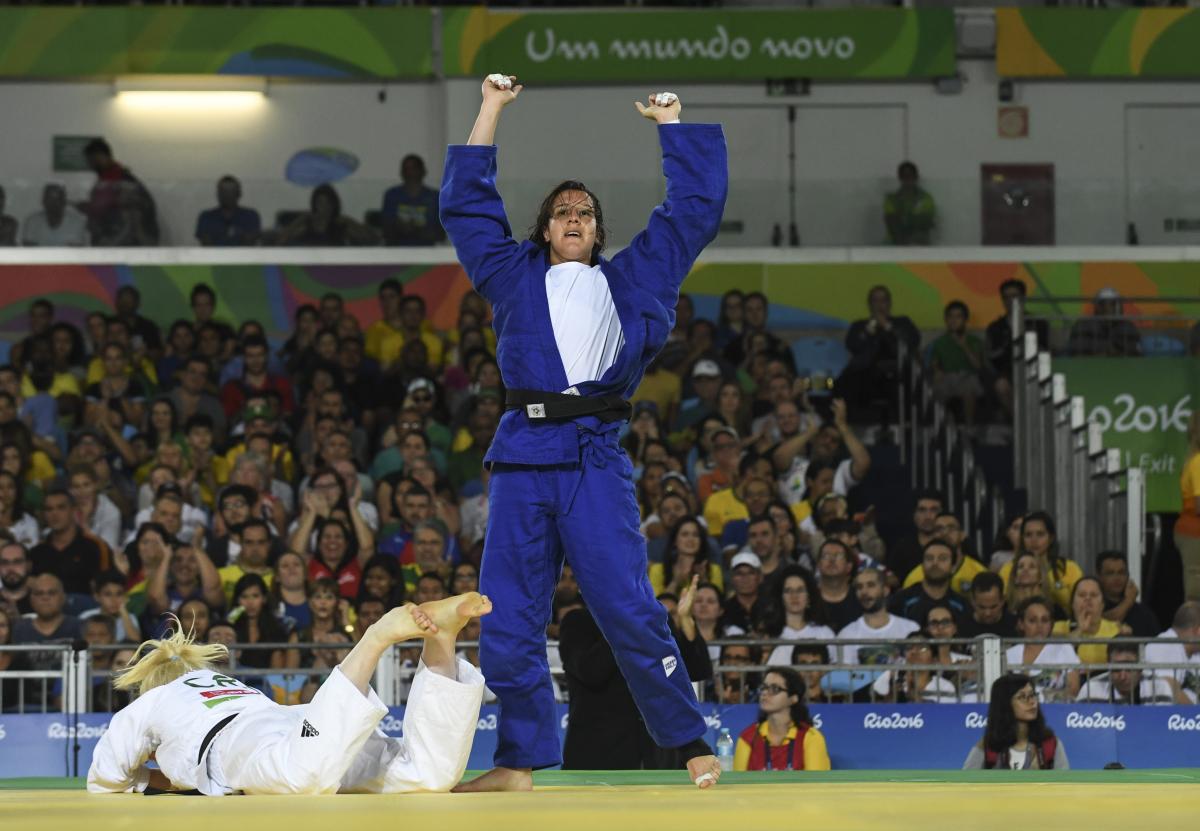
(171, 722)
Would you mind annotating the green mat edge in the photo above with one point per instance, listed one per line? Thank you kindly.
(621, 778)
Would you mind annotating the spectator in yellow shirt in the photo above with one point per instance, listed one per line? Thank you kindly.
(688, 554)
(260, 421)
(1039, 537)
(255, 541)
(966, 568)
(140, 366)
(385, 343)
(662, 387)
(1088, 621)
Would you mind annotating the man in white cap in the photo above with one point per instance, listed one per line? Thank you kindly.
(746, 607)
(706, 383)
(1106, 333)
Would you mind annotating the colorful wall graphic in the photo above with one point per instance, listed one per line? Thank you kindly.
(1098, 43)
(803, 296)
(346, 43)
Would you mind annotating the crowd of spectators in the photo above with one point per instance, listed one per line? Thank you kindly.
(120, 211)
(292, 493)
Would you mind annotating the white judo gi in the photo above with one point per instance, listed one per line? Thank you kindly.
(331, 744)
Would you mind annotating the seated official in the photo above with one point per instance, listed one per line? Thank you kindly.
(783, 737)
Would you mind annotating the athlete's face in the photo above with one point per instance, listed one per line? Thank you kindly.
(572, 228)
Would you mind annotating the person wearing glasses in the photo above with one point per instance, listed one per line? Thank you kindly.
(783, 737)
(1016, 737)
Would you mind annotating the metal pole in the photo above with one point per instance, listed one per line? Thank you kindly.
(1061, 454)
(1097, 495)
(1135, 521)
(1027, 412)
(993, 664)
(387, 677)
(1078, 477)
(1115, 509)
(1043, 435)
(1016, 316)
(907, 378)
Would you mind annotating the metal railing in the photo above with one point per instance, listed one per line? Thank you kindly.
(77, 686)
(46, 690)
(940, 455)
(1060, 460)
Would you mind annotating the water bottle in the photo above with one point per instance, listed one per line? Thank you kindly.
(725, 749)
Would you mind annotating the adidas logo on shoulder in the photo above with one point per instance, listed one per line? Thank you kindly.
(307, 730)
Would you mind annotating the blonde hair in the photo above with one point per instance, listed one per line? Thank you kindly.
(1014, 596)
(162, 661)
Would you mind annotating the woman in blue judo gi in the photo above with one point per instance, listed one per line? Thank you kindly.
(575, 334)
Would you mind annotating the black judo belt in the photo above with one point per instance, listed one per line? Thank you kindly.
(557, 406)
(212, 734)
(205, 742)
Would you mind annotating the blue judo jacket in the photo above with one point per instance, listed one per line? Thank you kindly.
(644, 280)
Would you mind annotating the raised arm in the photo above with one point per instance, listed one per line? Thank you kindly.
(469, 206)
(498, 92)
(696, 167)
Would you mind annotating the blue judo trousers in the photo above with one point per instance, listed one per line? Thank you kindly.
(564, 489)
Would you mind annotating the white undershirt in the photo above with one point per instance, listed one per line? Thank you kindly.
(587, 330)
(1016, 758)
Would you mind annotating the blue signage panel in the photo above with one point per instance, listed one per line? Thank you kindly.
(859, 736)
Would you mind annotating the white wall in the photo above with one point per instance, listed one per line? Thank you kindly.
(849, 138)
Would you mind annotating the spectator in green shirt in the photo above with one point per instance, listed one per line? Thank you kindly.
(909, 212)
(957, 358)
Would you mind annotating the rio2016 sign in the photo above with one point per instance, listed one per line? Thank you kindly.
(1143, 406)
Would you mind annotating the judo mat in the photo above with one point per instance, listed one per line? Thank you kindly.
(660, 800)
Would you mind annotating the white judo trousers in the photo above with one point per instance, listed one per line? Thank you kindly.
(333, 744)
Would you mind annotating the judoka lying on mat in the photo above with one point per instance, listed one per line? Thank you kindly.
(211, 733)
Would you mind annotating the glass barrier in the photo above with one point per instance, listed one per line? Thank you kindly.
(761, 211)
(1126, 325)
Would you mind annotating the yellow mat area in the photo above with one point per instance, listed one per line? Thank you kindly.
(828, 807)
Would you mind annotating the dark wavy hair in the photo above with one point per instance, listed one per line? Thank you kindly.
(326, 190)
(536, 234)
(17, 509)
(1058, 566)
(392, 566)
(270, 629)
(671, 555)
(777, 615)
(78, 355)
(795, 686)
(1001, 732)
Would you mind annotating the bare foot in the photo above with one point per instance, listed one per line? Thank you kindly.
(704, 770)
(404, 623)
(451, 615)
(498, 779)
